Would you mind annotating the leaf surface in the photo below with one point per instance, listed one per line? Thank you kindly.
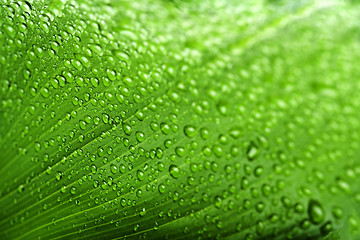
(179, 120)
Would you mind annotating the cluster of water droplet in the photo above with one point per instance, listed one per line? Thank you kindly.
(112, 125)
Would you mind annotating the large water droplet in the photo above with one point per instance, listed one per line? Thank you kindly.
(190, 131)
(174, 171)
(316, 212)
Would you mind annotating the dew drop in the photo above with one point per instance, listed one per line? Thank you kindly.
(21, 188)
(58, 175)
(113, 168)
(204, 133)
(162, 188)
(136, 227)
(316, 212)
(180, 151)
(165, 128)
(45, 92)
(140, 175)
(93, 168)
(252, 151)
(235, 132)
(127, 129)
(190, 131)
(140, 136)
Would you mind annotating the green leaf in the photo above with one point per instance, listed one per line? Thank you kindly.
(179, 119)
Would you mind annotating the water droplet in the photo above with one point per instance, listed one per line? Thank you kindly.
(58, 175)
(82, 124)
(204, 133)
(218, 150)
(140, 175)
(190, 131)
(136, 227)
(154, 126)
(140, 136)
(326, 228)
(93, 168)
(113, 168)
(316, 212)
(127, 129)
(258, 171)
(105, 118)
(37, 146)
(165, 128)
(252, 151)
(191, 181)
(162, 188)
(235, 132)
(21, 188)
(337, 212)
(45, 92)
(142, 212)
(299, 208)
(260, 206)
(218, 202)
(305, 224)
(139, 193)
(180, 151)
(174, 171)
